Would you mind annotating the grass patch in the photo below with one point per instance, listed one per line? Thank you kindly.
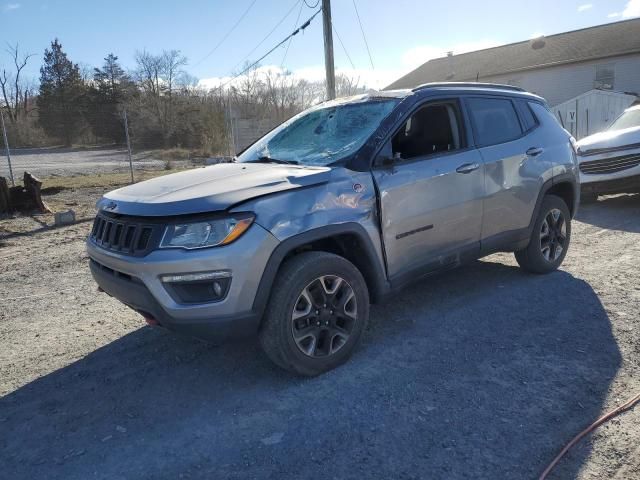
(171, 154)
(53, 185)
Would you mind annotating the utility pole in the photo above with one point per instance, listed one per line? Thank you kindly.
(328, 49)
(6, 146)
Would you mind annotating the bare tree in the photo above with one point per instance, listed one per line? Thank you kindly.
(172, 62)
(159, 77)
(149, 72)
(14, 90)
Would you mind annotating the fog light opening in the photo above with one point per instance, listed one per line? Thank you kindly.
(201, 287)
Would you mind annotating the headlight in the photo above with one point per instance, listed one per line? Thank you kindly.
(209, 233)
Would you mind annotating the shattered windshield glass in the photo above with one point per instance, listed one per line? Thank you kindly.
(321, 135)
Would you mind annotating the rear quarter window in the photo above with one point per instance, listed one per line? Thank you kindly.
(494, 120)
(529, 120)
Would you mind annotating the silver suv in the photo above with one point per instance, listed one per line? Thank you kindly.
(338, 207)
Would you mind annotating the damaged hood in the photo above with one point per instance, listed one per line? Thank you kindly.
(209, 189)
(610, 140)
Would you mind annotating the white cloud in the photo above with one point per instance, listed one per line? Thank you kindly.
(632, 9)
(613, 15)
(378, 78)
(11, 6)
(584, 7)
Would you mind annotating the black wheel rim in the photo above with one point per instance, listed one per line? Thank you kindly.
(324, 316)
(553, 235)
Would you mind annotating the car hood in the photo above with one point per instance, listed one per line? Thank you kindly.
(610, 140)
(209, 189)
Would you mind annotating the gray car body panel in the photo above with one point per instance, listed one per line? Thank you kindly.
(243, 259)
(514, 179)
(421, 221)
(347, 197)
(413, 222)
(209, 189)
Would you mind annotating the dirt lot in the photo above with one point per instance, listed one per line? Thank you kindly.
(484, 372)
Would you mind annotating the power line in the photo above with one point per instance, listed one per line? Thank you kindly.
(284, 57)
(363, 35)
(343, 47)
(295, 32)
(226, 35)
(268, 35)
(311, 6)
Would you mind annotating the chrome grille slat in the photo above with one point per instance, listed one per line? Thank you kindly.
(610, 165)
(617, 163)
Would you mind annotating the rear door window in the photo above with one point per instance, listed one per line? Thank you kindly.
(494, 120)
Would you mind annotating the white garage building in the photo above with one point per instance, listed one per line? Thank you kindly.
(557, 67)
(592, 112)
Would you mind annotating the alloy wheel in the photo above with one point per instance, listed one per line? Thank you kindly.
(553, 235)
(323, 316)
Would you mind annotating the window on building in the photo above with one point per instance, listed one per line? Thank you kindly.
(495, 120)
(605, 76)
(430, 130)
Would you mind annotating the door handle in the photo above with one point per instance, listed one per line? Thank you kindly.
(534, 151)
(467, 167)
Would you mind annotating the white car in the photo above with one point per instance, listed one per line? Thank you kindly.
(610, 160)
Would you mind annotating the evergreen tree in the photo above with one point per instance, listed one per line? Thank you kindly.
(111, 88)
(61, 97)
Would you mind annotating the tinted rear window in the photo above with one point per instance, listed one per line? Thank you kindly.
(495, 120)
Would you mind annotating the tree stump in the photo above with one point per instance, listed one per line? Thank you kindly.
(24, 199)
(5, 205)
(33, 186)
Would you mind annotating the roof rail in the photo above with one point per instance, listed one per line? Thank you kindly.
(496, 86)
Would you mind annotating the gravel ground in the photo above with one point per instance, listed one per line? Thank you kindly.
(483, 372)
(44, 162)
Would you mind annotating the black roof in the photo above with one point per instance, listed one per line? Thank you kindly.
(602, 41)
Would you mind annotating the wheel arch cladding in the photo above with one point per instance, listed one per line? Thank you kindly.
(349, 240)
(566, 191)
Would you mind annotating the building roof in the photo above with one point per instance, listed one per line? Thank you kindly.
(602, 41)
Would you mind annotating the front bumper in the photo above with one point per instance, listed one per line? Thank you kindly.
(618, 180)
(135, 281)
(611, 186)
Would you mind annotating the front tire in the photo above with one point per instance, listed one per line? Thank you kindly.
(318, 310)
(550, 238)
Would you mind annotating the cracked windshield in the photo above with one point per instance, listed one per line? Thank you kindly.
(321, 136)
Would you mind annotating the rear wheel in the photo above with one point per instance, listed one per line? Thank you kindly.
(316, 315)
(550, 238)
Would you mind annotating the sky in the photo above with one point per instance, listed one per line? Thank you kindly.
(401, 34)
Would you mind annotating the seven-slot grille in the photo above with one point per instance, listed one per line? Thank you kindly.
(122, 235)
(611, 165)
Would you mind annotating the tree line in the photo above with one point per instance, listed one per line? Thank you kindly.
(164, 104)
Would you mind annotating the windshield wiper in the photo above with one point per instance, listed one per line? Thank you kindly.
(265, 159)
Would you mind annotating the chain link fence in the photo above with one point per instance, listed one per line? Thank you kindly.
(93, 156)
(140, 150)
(74, 177)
